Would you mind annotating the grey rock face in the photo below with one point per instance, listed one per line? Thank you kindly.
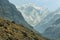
(8, 11)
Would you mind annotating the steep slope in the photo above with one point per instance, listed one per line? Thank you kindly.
(8, 11)
(11, 31)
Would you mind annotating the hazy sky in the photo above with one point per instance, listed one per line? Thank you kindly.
(52, 5)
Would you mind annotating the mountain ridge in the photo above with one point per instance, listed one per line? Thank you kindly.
(53, 30)
(9, 11)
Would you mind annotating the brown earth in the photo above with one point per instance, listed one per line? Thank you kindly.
(11, 31)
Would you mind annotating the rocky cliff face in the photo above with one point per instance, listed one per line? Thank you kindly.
(8, 11)
(11, 31)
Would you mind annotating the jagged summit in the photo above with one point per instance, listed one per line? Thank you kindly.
(49, 20)
(33, 14)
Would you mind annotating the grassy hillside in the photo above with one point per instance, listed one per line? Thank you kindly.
(11, 31)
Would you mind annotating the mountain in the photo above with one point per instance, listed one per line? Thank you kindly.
(12, 31)
(8, 11)
(49, 20)
(33, 14)
(53, 31)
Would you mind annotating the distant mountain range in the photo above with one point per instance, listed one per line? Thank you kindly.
(49, 20)
(53, 31)
(47, 23)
